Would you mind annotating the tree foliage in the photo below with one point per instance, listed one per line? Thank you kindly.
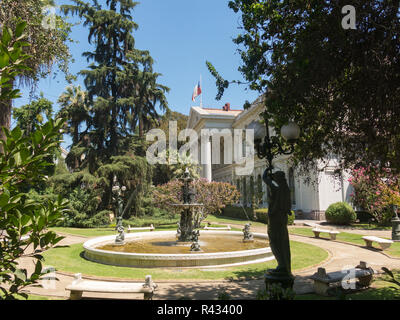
(340, 85)
(12, 59)
(34, 114)
(22, 166)
(47, 45)
(375, 191)
(108, 119)
(213, 195)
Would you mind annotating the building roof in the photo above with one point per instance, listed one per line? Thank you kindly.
(223, 112)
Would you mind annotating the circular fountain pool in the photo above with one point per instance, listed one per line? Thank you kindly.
(160, 249)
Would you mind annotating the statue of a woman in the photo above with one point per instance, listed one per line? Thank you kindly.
(278, 210)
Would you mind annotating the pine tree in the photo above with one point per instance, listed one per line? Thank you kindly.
(122, 91)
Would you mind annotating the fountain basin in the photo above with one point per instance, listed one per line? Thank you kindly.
(181, 260)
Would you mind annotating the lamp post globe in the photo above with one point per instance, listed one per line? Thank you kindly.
(290, 132)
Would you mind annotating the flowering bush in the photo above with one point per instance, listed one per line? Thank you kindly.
(375, 191)
(214, 195)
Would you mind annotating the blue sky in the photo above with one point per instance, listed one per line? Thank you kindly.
(181, 36)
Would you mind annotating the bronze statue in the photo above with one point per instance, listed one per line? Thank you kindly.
(278, 211)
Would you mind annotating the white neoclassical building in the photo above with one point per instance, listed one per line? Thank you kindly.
(312, 199)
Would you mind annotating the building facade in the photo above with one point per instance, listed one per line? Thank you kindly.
(309, 200)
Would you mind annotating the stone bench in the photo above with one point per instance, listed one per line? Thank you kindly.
(323, 281)
(78, 286)
(332, 233)
(227, 227)
(151, 228)
(383, 243)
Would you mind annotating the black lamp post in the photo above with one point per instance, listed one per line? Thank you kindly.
(279, 203)
(271, 146)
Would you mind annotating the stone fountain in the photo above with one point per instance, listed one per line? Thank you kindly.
(186, 226)
(181, 248)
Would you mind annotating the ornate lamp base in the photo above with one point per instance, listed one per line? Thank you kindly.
(396, 229)
(273, 276)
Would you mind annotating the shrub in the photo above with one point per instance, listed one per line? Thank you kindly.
(262, 216)
(375, 190)
(238, 213)
(23, 165)
(340, 213)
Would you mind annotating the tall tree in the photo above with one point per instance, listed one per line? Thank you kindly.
(74, 107)
(342, 86)
(121, 91)
(47, 45)
(110, 31)
(143, 95)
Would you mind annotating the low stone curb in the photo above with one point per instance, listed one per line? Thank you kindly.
(351, 244)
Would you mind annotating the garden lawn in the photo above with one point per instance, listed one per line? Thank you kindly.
(353, 238)
(70, 259)
(98, 232)
(228, 220)
(85, 232)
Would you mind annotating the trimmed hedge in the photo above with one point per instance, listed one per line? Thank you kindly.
(262, 216)
(258, 215)
(340, 213)
(238, 213)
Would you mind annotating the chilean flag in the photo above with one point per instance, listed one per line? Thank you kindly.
(196, 91)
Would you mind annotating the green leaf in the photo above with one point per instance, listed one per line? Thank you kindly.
(4, 198)
(6, 36)
(37, 137)
(38, 267)
(16, 133)
(17, 158)
(25, 219)
(4, 60)
(20, 28)
(20, 274)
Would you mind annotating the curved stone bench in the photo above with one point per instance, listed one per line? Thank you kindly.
(151, 228)
(78, 286)
(323, 280)
(228, 227)
(332, 233)
(383, 243)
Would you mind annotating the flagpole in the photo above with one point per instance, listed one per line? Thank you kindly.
(201, 95)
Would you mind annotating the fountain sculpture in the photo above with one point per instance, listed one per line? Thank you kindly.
(179, 248)
(186, 224)
(247, 235)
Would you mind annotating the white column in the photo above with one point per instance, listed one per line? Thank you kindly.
(207, 165)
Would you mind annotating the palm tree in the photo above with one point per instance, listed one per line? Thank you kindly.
(74, 108)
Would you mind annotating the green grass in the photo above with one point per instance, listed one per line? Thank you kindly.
(69, 259)
(85, 232)
(353, 238)
(367, 226)
(228, 220)
(98, 232)
(36, 297)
